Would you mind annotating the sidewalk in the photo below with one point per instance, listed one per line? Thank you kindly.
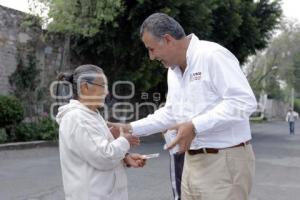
(27, 145)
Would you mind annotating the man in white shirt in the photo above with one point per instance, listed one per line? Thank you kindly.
(209, 102)
(291, 117)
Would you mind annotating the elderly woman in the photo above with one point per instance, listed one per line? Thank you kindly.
(92, 160)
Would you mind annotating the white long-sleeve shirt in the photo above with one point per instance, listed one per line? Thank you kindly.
(291, 116)
(212, 92)
(91, 159)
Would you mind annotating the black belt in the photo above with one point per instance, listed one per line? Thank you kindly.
(213, 150)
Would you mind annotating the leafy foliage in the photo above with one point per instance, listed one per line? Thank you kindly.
(297, 105)
(109, 31)
(279, 64)
(25, 76)
(25, 82)
(11, 114)
(11, 111)
(84, 17)
(43, 129)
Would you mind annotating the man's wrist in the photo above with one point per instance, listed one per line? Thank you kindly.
(129, 128)
(193, 127)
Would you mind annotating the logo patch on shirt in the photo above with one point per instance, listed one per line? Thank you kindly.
(195, 76)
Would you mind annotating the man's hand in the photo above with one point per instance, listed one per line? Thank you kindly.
(133, 140)
(115, 127)
(135, 160)
(184, 138)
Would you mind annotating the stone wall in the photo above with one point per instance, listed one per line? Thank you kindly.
(16, 40)
(10, 35)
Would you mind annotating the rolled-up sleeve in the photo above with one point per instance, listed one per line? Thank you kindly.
(237, 101)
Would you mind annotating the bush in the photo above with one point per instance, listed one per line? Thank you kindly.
(27, 132)
(12, 111)
(48, 129)
(44, 129)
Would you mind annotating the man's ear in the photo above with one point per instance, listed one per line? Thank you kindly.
(168, 38)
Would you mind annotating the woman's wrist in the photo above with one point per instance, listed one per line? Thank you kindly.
(125, 160)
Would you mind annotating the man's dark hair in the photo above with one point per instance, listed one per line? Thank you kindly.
(159, 24)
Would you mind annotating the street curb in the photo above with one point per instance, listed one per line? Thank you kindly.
(44, 143)
(28, 145)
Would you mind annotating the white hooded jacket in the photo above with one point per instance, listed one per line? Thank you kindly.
(90, 157)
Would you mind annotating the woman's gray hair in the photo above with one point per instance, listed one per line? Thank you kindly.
(159, 24)
(84, 73)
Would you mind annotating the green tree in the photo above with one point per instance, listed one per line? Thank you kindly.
(279, 63)
(109, 33)
(85, 17)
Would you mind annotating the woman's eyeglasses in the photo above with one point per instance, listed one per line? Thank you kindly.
(101, 85)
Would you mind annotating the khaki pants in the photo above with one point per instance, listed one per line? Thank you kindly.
(226, 175)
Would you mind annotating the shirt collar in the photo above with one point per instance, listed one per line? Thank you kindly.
(191, 47)
(189, 51)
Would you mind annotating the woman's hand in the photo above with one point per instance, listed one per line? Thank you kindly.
(134, 160)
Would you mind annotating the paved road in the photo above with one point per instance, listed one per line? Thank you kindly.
(35, 173)
(277, 162)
